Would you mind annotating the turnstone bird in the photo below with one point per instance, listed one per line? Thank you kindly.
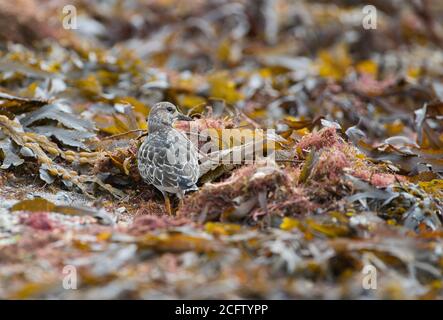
(167, 159)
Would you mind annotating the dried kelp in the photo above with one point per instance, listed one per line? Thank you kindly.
(348, 122)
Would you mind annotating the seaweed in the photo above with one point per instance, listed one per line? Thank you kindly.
(348, 122)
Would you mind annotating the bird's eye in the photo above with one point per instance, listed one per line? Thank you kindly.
(170, 109)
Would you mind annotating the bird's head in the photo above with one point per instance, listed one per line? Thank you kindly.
(164, 114)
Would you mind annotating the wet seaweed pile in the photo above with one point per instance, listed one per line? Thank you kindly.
(357, 120)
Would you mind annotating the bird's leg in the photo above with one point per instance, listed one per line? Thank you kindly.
(180, 196)
(167, 203)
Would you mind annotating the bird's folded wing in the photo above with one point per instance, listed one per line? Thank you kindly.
(170, 163)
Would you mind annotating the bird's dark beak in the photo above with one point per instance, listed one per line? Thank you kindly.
(182, 117)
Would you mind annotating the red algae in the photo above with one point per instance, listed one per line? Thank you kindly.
(268, 189)
(146, 223)
(39, 221)
(330, 165)
(326, 137)
(367, 84)
(381, 180)
(354, 123)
